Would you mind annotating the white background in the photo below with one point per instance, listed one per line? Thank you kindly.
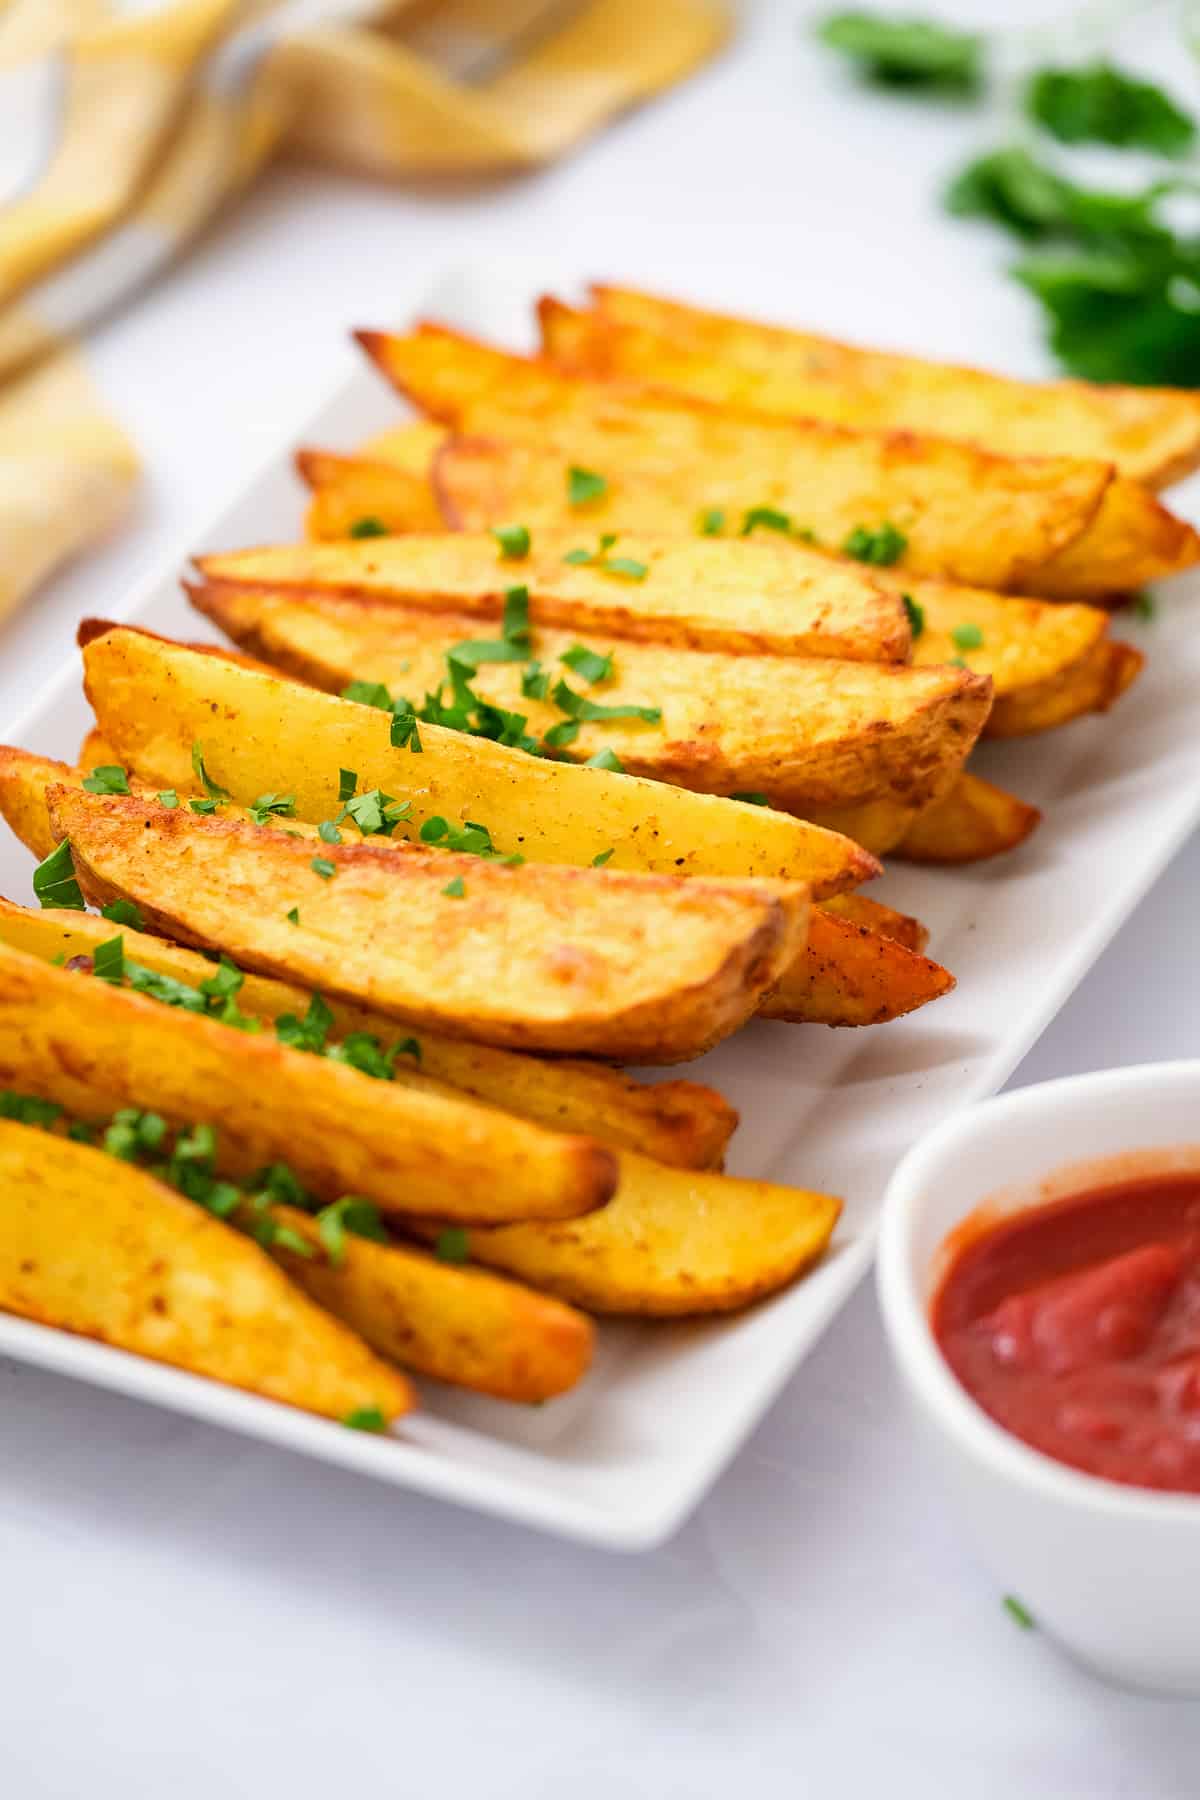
(182, 1612)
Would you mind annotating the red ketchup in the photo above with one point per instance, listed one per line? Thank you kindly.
(1077, 1327)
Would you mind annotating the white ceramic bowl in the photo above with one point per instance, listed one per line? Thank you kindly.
(1112, 1572)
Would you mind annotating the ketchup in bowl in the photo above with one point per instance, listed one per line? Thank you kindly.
(1076, 1325)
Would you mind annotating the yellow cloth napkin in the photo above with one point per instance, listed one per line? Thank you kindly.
(142, 123)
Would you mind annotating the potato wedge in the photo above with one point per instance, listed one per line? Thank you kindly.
(975, 820)
(679, 1122)
(465, 1326)
(749, 596)
(94, 1048)
(854, 974)
(1058, 525)
(632, 967)
(155, 699)
(857, 908)
(805, 732)
(673, 1242)
(410, 446)
(1151, 434)
(351, 494)
(100, 1248)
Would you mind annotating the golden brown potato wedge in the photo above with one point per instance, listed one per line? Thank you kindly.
(155, 699)
(1151, 434)
(100, 1248)
(679, 1122)
(975, 820)
(672, 1242)
(465, 1326)
(861, 910)
(632, 967)
(1057, 525)
(352, 494)
(749, 596)
(93, 1048)
(854, 974)
(805, 732)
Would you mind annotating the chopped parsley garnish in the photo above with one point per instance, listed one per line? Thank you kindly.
(375, 813)
(368, 527)
(453, 1245)
(1020, 1613)
(205, 808)
(310, 1032)
(711, 522)
(882, 545)
(124, 912)
(365, 1418)
(606, 759)
(404, 733)
(168, 798)
(535, 683)
(349, 1215)
(328, 832)
(367, 693)
(28, 1109)
(589, 663)
(109, 778)
(625, 566)
(579, 707)
(584, 485)
(906, 52)
(347, 782)
(320, 865)
(293, 917)
(1144, 607)
(470, 838)
(54, 880)
(108, 961)
(967, 637)
(456, 889)
(202, 776)
(131, 1133)
(514, 541)
(269, 806)
(767, 517)
(599, 860)
(915, 615)
(1100, 104)
(751, 799)
(513, 643)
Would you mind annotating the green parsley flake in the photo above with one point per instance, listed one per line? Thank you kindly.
(1144, 607)
(453, 1245)
(28, 1109)
(456, 889)
(584, 485)
(579, 707)
(108, 961)
(967, 637)
(711, 522)
(514, 541)
(367, 693)
(202, 776)
(168, 798)
(599, 860)
(404, 733)
(765, 517)
(204, 808)
(328, 832)
(606, 759)
(320, 865)
(293, 917)
(365, 1418)
(110, 778)
(123, 912)
(915, 615)
(54, 880)
(352, 1215)
(269, 806)
(535, 683)
(906, 52)
(881, 546)
(589, 663)
(375, 813)
(1019, 1612)
(1100, 104)
(751, 799)
(347, 782)
(368, 527)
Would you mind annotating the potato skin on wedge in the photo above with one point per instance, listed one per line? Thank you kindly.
(807, 732)
(632, 967)
(973, 821)
(992, 521)
(678, 1122)
(155, 699)
(98, 1247)
(672, 1242)
(94, 1048)
(854, 974)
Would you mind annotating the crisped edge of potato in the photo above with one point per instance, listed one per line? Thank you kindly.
(974, 821)
(854, 974)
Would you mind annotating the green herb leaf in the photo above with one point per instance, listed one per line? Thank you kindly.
(766, 517)
(606, 759)
(347, 782)
(578, 706)
(368, 527)
(584, 485)
(1021, 1614)
(514, 541)
(110, 778)
(28, 1109)
(453, 1245)
(882, 545)
(603, 856)
(123, 912)
(404, 733)
(967, 637)
(535, 683)
(293, 917)
(589, 663)
(202, 776)
(456, 889)
(108, 961)
(367, 693)
(471, 838)
(375, 813)
(328, 832)
(54, 880)
(320, 865)
(561, 737)
(269, 806)
(365, 1418)
(205, 808)
(906, 52)
(626, 567)
(350, 1214)
(308, 1033)
(168, 798)
(1100, 104)
(751, 799)
(915, 615)
(578, 557)
(711, 522)
(1144, 607)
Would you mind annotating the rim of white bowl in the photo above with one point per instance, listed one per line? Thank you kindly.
(911, 1336)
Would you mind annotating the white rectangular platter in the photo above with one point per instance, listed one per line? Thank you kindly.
(622, 1460)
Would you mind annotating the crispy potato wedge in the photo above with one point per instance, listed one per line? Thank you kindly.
(673, 1242)
(975, 820)
(858, 908)
(678, 1122)
(465, 1326)
(95, 1048)
(100, 1248)
(1058, 525)
(632, 967)
(749, 596)
(409, 446)
(805, 732)
(1151, 434)
(1094, 684)
(854, 974)
(352, 491)
(155, 699)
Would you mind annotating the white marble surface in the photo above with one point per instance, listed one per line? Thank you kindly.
(183, 1612)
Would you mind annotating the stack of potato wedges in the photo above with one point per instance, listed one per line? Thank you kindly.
(567, 740)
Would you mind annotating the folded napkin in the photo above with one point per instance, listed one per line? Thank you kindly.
(129, 127)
